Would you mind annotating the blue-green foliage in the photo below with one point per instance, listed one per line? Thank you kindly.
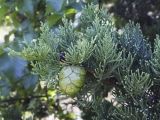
(105, 55)
(111, 60)
(133, 41)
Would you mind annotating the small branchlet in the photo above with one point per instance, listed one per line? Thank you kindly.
(137, 83)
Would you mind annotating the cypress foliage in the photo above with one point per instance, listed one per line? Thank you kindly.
(123, 61)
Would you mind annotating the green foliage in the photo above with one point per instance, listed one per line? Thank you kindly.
(17, 85)
(40, 50)
(137, 83)
(72, 43)
(111, 60)
(134, 42)
(126, 113)
(79, 53)
(156, 56)
(131, 87)
(79, 48)
(97, 48)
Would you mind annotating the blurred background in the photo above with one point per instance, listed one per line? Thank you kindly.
(22, 96)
